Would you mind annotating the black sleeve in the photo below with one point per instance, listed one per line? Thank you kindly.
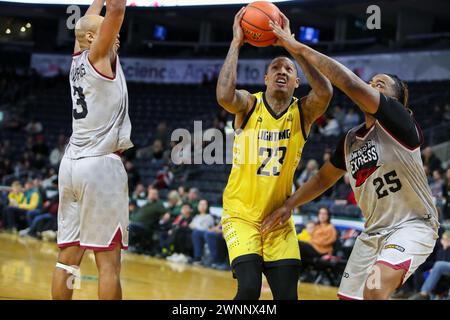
(337, 159)
(397, 120)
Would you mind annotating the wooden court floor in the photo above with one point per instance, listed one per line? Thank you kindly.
(26, 267)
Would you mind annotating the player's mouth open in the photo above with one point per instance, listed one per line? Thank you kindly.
(281, 81)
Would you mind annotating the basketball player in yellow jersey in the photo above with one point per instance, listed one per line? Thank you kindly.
(271, 130)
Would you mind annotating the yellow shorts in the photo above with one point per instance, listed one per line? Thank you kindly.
(244, 240)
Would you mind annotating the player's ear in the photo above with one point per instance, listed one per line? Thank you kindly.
(297, 82)
(266, 79)
(90, 36)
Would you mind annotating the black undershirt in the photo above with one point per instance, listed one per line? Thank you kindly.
(396, 119)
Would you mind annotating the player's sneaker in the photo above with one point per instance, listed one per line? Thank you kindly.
(420, 296)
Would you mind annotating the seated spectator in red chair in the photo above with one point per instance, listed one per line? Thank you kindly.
(323, 238)
(200, 225)
(17, 213)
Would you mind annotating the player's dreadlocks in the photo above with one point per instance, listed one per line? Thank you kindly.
(401, 89)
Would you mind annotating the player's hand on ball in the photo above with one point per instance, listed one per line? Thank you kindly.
(278, 217)
(238, 33)
(284, 35)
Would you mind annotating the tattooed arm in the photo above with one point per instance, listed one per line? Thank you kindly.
(234, 101)
(318, 99)
(366, 97)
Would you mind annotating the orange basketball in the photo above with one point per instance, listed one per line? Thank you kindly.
(255, 23)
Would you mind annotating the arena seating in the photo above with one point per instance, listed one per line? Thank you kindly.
(179, 106)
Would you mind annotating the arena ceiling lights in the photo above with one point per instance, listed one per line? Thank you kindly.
(145, 3)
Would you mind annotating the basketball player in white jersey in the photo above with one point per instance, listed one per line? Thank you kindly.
(93, 189)
(383, 159)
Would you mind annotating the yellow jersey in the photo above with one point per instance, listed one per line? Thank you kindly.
(266, 151)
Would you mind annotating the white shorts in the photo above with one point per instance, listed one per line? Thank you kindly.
(93, 203)
(403, 248)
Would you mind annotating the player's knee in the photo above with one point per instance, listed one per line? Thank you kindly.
(376, 294)
(71, 256)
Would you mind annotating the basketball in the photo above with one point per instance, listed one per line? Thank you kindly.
(255, 23)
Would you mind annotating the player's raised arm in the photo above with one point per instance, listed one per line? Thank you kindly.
(318, 99)
(234, 101)
(109, 30)
(327, 176)
(94, 9)
(366, 97)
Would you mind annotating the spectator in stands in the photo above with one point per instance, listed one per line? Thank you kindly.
(157, 151)
(15, 196)
(51, 179)
(326, 155)
(440, 268)
(437, 186)
(305, 234)
(193, 198)
(58, 152)
(162, 134)
(33, 127)
(351, 119)
(312, 167)
(446, 194)
(429, 159)
(139, 192)
(40, 147)
(6, 168)
(16, 214)
(339, 115)
(200, 224)
(217, 247)
(179, 238)
(145, 221)
(164, 178)
(427, 171)
(45, 221)
(342, 192)
(133, 175)
(132, 207)
(323, 238)
(182, 192)
(29, 145)
(331, 127)
(174, 203)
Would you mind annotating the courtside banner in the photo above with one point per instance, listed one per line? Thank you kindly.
(410, 66)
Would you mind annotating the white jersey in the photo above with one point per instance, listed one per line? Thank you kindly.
(100, 121)
(388, 179)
